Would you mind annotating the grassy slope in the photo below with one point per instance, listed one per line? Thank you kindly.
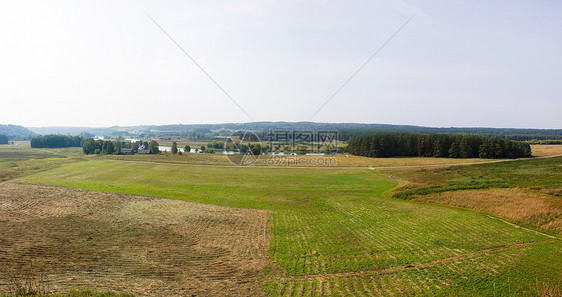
(20, 160)
(303, 160)
(535, 174)
(535, 183)
(338, 221)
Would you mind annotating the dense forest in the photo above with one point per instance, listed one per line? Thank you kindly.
(383, 145)
(544, 141)
(54, 141)
(4, 139)
(352, 127)
(15, 132)
(345, 131)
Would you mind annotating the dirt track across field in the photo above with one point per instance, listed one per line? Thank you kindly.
(144, 245)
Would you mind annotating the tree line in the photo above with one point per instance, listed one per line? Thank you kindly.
(546, 141)
(55, 141)
(15, 132)
(113, 147)
(383, 145)
(4, 139)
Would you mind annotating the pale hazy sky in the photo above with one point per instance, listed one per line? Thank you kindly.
(457, 63)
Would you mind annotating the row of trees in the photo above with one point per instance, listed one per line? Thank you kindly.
(109, 147)
(258, 148)
(54, 141)
(253, 148)
(383, 145)
(175, 150)
(219, 145)
(546, 141)
(4, 139)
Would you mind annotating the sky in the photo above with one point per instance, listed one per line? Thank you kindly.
(456, 63)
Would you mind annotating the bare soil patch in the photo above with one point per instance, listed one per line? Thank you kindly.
(144, 245)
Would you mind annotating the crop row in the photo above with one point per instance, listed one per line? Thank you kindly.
(367, 233)
(497, 273)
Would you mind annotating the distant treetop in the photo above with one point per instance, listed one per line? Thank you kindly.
(381, 145)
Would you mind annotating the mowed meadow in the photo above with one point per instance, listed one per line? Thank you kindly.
(338, 231)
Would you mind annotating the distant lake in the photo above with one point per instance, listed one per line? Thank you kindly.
(180, 149)
(169, 149)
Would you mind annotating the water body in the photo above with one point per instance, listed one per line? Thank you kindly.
(169, 149)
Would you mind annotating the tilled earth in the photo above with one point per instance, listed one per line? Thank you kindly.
(147, 246)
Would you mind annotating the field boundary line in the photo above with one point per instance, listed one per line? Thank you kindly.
(523, 228)
(408, 266)
(334, 167)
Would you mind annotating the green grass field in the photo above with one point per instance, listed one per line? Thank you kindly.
(337, 232)
(289, 161)
(525, 191)
(20, 160)
(543, 173)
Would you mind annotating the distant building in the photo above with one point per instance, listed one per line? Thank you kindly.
(144, 152)
(126, 151)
